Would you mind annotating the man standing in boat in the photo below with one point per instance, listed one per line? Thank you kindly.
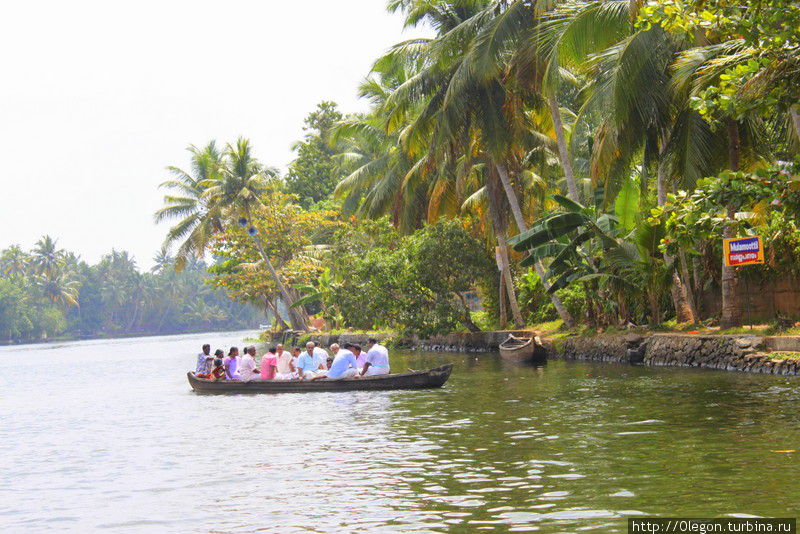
(377, 359)
(204, 361)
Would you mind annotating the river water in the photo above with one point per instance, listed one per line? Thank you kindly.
(107, 436)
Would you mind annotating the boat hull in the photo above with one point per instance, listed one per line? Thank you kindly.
(525, 354)
(432, 378)
(523, 350)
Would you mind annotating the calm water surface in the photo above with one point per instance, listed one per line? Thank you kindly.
(107, 436)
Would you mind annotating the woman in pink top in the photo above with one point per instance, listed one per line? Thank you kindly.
(269, 363)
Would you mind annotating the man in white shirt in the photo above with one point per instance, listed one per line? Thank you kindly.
(285, 364)
(247, 369)
(319, 351)
(377, 359)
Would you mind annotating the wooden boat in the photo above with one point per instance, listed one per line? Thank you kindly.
(432, 378)
(522, 349)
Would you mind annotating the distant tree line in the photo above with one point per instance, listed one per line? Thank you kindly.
(49, 292)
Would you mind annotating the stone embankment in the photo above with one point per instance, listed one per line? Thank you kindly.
(732, 353)
(749, 353)
(456, 342)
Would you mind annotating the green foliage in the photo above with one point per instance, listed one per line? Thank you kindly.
(48, 293)
(15, 322)
(487, 122)
(415, 283)
(616, 267)
(313, 174)
(760, 73)
(626, 207)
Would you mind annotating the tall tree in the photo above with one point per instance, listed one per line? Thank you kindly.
(198, 218)
(313, 174)
(234, 191)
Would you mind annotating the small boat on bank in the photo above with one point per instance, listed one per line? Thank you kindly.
(522, 349)
(432, 378)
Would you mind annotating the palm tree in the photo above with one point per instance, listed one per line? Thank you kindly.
(61, 288)
(162, 261)
(198, 219)
(234, 191)
(455, 108)
(47, 258)
(14, 261)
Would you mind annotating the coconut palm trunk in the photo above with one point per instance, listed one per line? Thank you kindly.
(563, 313)
(795, 114)
(499, 225)
(502, 301)
(731, 315)
(505, 270)
(563, 153)
(684, 312)
(690, 300)
(296, 317)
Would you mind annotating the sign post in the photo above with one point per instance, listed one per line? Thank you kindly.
(741, 251)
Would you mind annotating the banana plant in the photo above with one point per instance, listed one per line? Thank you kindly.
(615, 256)
(325, 293)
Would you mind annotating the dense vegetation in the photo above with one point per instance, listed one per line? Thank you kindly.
(49, 292)
(612, 144)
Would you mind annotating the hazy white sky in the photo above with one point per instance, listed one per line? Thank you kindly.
(97, 97)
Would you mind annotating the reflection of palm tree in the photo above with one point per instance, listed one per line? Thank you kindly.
(197, 221)
(235, 191)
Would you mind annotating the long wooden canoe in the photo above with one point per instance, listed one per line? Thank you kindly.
(432, 378)
(522, 349)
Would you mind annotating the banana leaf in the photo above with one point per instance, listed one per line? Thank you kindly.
(566, 278)
(626, 206)
(553, 227)
(566, 203)
(548, 250)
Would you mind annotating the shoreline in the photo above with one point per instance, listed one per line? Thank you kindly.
(68, 339)
(751, 353)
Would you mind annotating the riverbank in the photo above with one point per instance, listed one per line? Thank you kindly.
(110, 337)
(731, 352)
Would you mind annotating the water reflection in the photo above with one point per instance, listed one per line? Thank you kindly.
(120, 443)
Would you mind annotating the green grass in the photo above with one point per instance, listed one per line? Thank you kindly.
(784, 355)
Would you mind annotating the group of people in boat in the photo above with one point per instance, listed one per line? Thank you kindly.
(314, 363)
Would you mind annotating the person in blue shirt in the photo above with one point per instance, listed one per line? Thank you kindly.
(310, 365)
(344, 363)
